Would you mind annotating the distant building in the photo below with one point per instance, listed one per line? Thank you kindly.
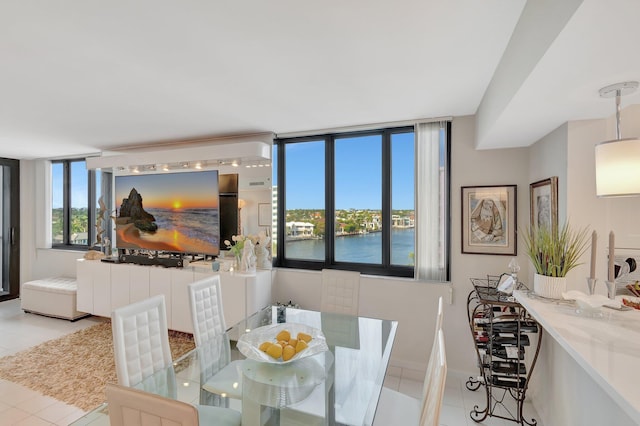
(398, 221)
(299, 229)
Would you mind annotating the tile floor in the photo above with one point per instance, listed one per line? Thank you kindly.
(22, 406)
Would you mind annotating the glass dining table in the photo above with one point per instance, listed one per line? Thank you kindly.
(339, 386)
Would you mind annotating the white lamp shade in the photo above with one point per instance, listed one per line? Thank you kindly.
(618, 168)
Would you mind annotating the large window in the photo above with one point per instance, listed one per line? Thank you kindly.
(348, 201)
(75, 194)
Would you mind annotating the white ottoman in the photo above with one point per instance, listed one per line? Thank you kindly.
(54, 297)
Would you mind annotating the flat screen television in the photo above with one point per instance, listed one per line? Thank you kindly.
(169, 212)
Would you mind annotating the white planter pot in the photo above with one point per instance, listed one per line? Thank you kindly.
(551, 287)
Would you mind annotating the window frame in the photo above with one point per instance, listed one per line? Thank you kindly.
(385, 268)
(66, 206)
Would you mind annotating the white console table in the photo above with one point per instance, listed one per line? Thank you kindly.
(587, 370)
(103, 287)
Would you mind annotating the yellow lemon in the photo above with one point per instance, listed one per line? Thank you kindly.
(304, 336)
(264, 346)
(284, 335)
(275, 351)
(302, 345)
(288, 352)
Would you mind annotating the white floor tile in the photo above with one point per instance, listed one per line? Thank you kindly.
(12, 416)
(72, 417)
(392, 382)
(412, 388)
(35, 404)
(33, 421)
(56, 412)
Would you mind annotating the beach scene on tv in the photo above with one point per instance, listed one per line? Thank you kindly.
(174, 212)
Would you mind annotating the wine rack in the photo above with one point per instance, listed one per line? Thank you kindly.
(504, 335)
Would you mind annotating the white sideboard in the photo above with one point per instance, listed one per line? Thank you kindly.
(103, 287)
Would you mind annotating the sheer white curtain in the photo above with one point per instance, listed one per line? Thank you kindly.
(431, 211)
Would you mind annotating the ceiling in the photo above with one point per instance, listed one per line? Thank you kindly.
(79, 77)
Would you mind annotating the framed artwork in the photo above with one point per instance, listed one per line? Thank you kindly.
(543, 203)
(264, 214)
(489, 220)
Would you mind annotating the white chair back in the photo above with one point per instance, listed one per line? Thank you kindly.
(340, 291)
(207, 314)
(140, 340)
(133, 407)
(432, 404)
(397, 408)
(434, 349)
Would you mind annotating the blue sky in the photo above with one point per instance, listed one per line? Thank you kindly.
(79, 189)
(358, 176)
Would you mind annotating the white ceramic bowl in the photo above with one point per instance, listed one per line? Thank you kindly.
(249, 343)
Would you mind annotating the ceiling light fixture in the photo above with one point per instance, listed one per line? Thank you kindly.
(618, 161)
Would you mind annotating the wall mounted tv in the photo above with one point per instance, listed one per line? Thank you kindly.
(169, 212)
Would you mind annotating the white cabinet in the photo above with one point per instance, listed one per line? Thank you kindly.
(180, 309)
(103, 286)
(84, 278)
(160, 283)
(138, 283)
(94, 287)
(120, 284)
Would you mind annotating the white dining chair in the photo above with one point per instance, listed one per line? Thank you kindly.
(141, 341)
(340, 291)
(133, 407)
(221, 375)
(398, 408)
(207, 313)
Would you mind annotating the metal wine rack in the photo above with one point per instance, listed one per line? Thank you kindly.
(502, 331)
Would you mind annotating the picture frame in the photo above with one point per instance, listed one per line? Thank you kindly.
(543, 203)
(489, 219)
(264, 214)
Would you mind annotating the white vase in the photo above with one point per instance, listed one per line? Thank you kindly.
(551, 287)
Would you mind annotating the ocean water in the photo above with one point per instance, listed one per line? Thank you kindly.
(365, 248)
(200, 224)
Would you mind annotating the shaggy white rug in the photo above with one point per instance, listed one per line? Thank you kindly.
(75, 368)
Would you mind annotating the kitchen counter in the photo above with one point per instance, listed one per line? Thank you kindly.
(602, 368)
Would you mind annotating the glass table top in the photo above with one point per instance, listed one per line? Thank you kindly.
(340, 386)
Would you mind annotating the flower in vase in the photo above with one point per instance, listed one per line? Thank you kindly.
(236, 245)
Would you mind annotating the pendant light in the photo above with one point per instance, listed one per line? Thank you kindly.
(618, 161)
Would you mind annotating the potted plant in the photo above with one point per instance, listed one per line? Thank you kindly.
(553, 254)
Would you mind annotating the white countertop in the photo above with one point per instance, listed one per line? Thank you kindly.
(608, 348)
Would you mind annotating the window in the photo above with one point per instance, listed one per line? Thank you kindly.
(348, 201)
(75, 192)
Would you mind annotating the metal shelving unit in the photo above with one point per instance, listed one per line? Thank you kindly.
(501, 330)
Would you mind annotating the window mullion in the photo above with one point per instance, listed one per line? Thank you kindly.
(386, 198)
(91, 213)
(66, 203)
(282, 214)
(330, 205)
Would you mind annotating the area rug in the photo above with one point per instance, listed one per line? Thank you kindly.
(75, 368)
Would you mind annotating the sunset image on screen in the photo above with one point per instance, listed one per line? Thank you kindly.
(173, 212)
